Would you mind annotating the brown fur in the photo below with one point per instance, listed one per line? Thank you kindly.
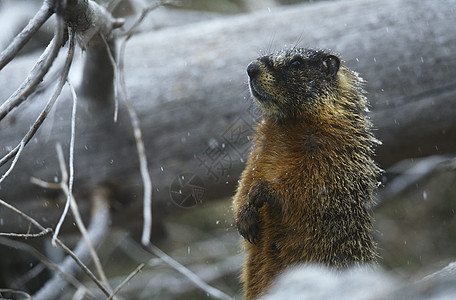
(304, 193)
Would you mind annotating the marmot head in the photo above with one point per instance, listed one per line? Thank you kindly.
(293, 83)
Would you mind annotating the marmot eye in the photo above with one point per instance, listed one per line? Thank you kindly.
(296, 63)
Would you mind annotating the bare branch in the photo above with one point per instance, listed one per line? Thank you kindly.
(65, 178)
(144, 12)
(85, 11)
(78, 220)
(27, 235)
(45, 184)
(412, 174)
(448, 271)
(118, 74)
(101, 208)
(187, 273)
(86, 17)
(20, 148)
(79, 295)
(28, 136)
(68, 189)
(145, 175)
(29, 275)
(13, 292)
(24, 36)
(71, 202)
(37, 73)
(31, 220)
(75, 211)
(67, 203)
(60, 154)
(89, 19)
(114, 75)
(44, 260)
(97, 228)
(73, 136)
(133, 274)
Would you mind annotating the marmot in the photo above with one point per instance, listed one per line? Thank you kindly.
(304, 195)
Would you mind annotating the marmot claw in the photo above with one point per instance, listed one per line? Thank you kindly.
(247, 223)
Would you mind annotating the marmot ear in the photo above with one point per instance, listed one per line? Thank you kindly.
(331, 64)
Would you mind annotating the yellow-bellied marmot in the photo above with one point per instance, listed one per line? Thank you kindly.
(304, 193)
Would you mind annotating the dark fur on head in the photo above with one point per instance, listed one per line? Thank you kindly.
(309, 77)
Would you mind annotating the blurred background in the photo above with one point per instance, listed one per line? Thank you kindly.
(185, 75)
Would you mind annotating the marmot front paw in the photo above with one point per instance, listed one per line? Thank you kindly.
(247, 222)
(248, 217)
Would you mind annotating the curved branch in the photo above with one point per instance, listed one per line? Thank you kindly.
(45, 261)
(14, 292)
(24, 36)
(187, 273)
(28, 136)
(64, 185)
(37, 73)
(448, 271)
(97, 229)
(125, 281)
(26, 235)
(141, 149)
(101, 209)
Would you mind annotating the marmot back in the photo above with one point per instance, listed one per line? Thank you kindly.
(306, 188)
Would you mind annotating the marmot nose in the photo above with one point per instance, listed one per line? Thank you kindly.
(253, 69)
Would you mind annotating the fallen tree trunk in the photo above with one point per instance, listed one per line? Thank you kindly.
(188, 85)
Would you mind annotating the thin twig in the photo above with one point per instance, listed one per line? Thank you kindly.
(31, 220)
(83, 267)
(37, 73)
(72, 139)
(448, 271)
(68, 189)
(79, 295)
(10, 291)
(27, 235)
(24, 36)
(60, 152)
(87, 239)
(49, 264)
(62, 245)
(65, 178)
(67, 202)
(187, 273)
(78, 220)
(16, 158)
(410, 176)
(97, 228)
(125, 281)
(144, 12)
(45, 184)
(145, 175)
(28, 136)
(29, 275)
(114, 75)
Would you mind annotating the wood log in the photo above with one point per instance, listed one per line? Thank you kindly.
(189, 86)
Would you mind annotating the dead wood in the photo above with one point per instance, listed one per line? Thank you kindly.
(188, 84)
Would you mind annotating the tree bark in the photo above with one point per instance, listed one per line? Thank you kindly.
(189, 86)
